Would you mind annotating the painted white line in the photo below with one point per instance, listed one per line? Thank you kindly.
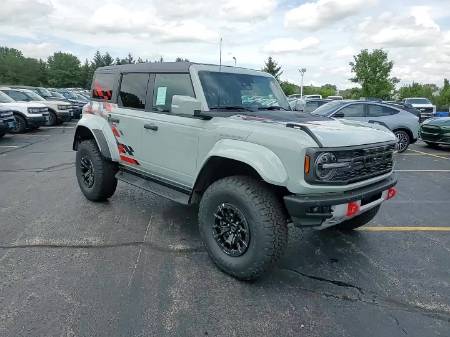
(430, 154)
(422, 170)
(30, 135)
(9, 146)
(57, 127)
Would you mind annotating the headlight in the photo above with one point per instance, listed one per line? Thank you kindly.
(324, 167)
(63, 107)
(34, 110)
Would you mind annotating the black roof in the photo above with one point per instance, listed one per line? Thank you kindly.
(163, 67)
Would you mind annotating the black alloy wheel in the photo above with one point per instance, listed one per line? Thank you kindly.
(87, 172)
(231, 230)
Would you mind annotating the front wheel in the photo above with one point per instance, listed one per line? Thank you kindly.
(357, 221)
(52, 119)
(403, 140)
(243, 226)
(21, 125)
(96, 176)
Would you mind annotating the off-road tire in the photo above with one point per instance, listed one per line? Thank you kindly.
(357, 221)
(104, 172)
(21, 124)
(266, 221)
(52, 118)
(432, 145)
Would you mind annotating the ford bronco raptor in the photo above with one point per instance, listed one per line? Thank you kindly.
(226, 139)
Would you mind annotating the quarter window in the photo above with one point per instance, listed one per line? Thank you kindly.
(133, 90)
(353, 110)
(102, 86)
(168, 85)
(380, 110)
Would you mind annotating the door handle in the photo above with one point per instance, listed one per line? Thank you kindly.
(152, 127)
(114, 120)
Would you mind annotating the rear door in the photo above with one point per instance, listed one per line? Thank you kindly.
(383, 115)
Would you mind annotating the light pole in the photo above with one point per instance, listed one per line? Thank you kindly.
(302, 72)
(234, 58)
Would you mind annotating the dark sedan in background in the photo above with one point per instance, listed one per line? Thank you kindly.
(436, 131)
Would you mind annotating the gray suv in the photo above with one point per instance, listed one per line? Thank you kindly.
(404, 124)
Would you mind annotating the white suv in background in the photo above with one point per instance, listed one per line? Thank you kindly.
(27, 115)
(59, 111)
(424, 105)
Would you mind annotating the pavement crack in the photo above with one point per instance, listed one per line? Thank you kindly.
(322, 279)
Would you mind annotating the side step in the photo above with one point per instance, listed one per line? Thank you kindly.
(155, 186)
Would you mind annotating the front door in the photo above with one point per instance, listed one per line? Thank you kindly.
(355, 111)
(170, 142)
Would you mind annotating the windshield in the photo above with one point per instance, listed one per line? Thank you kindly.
(328, 108)
(69, 95)
(242, 91)
(44, 92)
(34, 96)
(417, 101)
(4, 98)
(57, 95)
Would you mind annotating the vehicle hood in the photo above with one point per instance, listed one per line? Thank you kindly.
(22, 105)
(418, 106)
(58, 102)
(329, 132)
(337, 133)
(441, 121)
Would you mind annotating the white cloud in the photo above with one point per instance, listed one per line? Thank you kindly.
(322, 13)
(345, 52)
(290, 45)
(238, 10)
(24, 11)
(37, 50)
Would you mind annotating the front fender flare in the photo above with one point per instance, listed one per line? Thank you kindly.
(103, 135)
(264, 161)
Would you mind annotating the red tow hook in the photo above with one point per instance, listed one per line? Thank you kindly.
(352, 208)
(392, 192)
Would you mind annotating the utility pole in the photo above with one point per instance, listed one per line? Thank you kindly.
(302, 72)
(234, 58)
(220, 52)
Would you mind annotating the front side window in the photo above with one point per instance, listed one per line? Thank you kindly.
(168, 85)
(233, 90)
(33, 96)
(4, 98)
(133, 90)
(353, 110)
(102, 87)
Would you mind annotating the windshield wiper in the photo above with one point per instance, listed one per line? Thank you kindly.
(231, 107)
(272, 107)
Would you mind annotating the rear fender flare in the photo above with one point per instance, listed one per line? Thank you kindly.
(102, 133)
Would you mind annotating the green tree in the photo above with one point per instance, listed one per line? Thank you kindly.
(272, 68)
(289, 88)
(443, 99)
(372, 71)
(417, 90)
(64, 70)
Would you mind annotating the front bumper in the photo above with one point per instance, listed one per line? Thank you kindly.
(329, 209)
(7, 124)
(65, 115)
(37, 121)
(440, 136)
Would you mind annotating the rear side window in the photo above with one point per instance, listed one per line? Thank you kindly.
(380, 111)
(168, 85)
(133, 90)
(353, 110)
(102, 86)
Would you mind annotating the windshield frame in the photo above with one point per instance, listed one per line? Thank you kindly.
(329, 108)
(33, 95)
(4, 98)
(276, 100)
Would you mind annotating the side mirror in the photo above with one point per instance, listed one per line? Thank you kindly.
(185, 105)
(338, 115)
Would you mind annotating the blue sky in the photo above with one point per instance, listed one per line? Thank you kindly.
(320, 35)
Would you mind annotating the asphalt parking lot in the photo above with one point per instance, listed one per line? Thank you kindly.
(135, 266)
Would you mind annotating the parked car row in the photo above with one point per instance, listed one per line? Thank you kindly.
(32, 107)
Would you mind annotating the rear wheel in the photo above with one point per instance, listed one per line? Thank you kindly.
(243, 226)
(403, 140)
(21, 124)
(96, 176)
(357, 221)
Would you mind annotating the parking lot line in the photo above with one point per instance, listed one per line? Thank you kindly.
(9, 146)
(405, 229)
(430, 154)
(422, 170)
(57, 127)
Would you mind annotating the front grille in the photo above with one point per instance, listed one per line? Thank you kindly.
(426, 110)
(364, 163)
(430, 128)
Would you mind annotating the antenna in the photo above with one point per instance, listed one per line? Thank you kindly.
(220, 52)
